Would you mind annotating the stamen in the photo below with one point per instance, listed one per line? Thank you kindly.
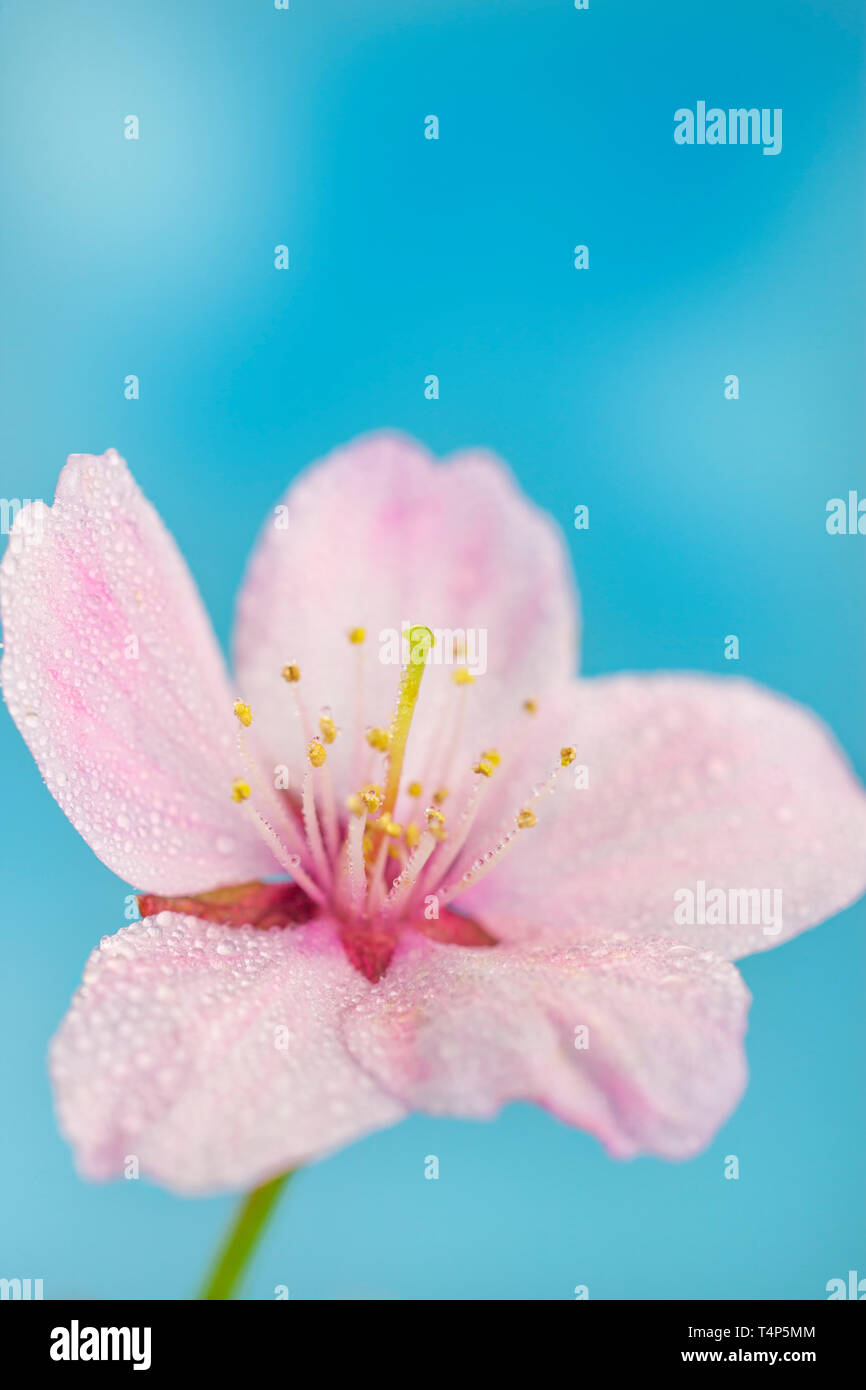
(311, 827)
(452, 747)
(357, 637)
(524, 820)
(240, 789)
(291, 674)
(566, 758)
(389, 827)
(481, 866)
(290, 862)
(324, 787)
(243, 713)
(316, 753)
(371, 797)
(356, 871)
(264, 790)
(378, 739)
(406, 880)
(327, 728)
(376, 850)
(381, 846)
(448, 854)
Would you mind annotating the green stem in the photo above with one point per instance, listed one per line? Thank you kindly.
(242, 1238)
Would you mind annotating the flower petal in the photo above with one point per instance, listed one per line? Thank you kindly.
(638, 1042)
(692, 779)
(381, 536)
(212, 1054)
(113, 676)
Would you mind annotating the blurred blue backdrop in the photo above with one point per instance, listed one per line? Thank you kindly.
(605, 387)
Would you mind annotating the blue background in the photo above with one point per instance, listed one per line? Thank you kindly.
(602, 387)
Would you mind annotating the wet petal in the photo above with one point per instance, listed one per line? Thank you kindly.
(113, 676)
(691, 779)
(639, 1042)
(381, 536)
(212, 1054)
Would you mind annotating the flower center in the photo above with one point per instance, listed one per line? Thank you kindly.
(359, 863)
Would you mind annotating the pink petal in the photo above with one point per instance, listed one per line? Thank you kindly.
(212, 1054)
(113, 676)
(379, 536)
(463, 1032)
(691, 778)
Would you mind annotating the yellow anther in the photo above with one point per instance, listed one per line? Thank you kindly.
(378, 738)
(394, 852)
(462, 676)
(371, 798)
(413, 834)
(367, 846)
(387, 826)
(567, 756)
(240, 789)
(357, 635)
(485, 767)
(327, 728)
(490, 755)
(435, 819)
(354, 805)
(526, 819)
(440, 796)
(243, 713)
(531, 706)
(316, 752)
(291, 672)
(414, 789)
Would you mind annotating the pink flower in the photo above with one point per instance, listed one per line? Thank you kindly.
(522, 937)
